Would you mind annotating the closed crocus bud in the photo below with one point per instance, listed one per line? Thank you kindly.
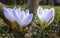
(46, 16)
(8, 12)
(23, 18)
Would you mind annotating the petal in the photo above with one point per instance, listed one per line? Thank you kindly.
(19, 15)
(7, 14)
(16, 16)
(27, 20)
(27, 12)
(47, 15)
(23, 14)
(45, 10)
(39, 11)
(14, 8)
(11, 12)
(19, 10)
(52, 9)
(9, 9)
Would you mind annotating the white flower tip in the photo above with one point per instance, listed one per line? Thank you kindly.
(53, 11)
(15, 7)
(39, 11)
(19, 8)
(39, 7)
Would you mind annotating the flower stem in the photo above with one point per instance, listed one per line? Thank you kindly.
(21, 28)
(13, 24)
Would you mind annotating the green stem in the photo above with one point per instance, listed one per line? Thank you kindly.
(43, 34)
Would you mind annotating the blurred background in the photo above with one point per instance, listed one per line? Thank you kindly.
(22, 2)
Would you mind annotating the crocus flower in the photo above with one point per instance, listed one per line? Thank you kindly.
(46, 16)
(8, 13)
(23, 18)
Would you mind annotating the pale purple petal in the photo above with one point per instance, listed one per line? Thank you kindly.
(20, 15)
(53, 11)
(11, 12)
(27, 20)
(16, 17)
(47, 16)
(19, 12)
(45, 10)
(39, 12)
(16, 14)
(15, 8)
(7, 14)
(52, 17)
(26, 12)
(19, 9)
(23, 14)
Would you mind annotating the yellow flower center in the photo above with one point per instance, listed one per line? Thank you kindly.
(41, 24)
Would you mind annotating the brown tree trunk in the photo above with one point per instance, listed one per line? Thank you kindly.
(32, 6)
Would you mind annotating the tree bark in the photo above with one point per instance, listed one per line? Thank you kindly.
(32, 6)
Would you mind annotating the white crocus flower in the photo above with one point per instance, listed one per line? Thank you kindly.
(23, 18)
(46, 16)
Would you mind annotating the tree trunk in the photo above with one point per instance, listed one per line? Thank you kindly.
(32, 6)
